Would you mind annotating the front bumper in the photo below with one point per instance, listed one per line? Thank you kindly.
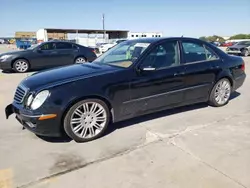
(46, 127)
(5, 64)
(233, 51)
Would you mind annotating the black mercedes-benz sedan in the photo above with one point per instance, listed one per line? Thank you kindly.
(46, 55)
(134, 78)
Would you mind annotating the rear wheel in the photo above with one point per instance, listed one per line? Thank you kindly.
(21, 65)
(80, 60)
(87, 120)
(245, 52)
(220, 93)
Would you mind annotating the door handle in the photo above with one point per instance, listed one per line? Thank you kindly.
(53, 52)
(179, 73)
(214, 67)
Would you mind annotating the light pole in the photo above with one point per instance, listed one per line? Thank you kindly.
(103, 27)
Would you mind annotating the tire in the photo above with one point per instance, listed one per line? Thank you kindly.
(220, 93)
(81, 125)
(21, 65)
(245, 52)
(80, 60)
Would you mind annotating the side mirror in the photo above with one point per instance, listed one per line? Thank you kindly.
(39, 50)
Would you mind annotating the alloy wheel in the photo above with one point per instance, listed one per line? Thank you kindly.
(80, 60)
(246, 53)
(21, 66)
(222, 92)
(88, 120)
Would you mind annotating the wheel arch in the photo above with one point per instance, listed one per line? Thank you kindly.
(17, 58)
(227, 75)
(76, 100)
(80, 56)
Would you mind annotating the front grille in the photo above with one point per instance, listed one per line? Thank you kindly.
(233, 49)
(20, 93)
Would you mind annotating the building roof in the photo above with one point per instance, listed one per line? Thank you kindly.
(88, 31)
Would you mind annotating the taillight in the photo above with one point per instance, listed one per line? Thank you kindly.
(243, 66)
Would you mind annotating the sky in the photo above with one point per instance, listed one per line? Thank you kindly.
(192, 18)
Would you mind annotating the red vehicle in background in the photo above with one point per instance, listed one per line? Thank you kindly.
(227, 44)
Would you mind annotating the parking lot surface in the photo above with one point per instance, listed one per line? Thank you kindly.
(194, 146)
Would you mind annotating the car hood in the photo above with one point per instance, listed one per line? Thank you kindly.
(15, 52)
(65, 74)
(238, 46)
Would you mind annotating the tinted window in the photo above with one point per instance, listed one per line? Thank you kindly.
(210, 55)
(48, 46)
(162, 56)
(63, 45)
(194, 52)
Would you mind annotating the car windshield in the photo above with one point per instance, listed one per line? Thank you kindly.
(244, 43)
(123, 54)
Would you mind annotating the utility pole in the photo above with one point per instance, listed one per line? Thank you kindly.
(103, 26)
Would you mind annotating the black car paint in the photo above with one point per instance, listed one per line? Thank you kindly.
(44, 59)
(129, 92)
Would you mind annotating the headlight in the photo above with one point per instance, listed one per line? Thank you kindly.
(39, 99)
(5, 57)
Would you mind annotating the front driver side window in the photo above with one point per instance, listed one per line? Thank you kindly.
(162, 56)
(47, 46)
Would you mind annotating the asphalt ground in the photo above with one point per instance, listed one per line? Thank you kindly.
(194, 146)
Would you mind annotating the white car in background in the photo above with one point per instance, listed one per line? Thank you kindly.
(105, 47)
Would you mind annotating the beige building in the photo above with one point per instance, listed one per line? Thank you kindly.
(54, 35)
(25, 34)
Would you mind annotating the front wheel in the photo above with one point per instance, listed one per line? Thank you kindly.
(220, 93)
(87, 120)
(21, 65)
(245, 52)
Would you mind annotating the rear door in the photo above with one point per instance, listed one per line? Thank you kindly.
(65, 53)
(201, 65)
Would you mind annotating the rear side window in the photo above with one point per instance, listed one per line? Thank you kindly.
(63, 45)
(194, 52)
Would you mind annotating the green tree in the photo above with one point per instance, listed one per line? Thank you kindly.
(214, 38)
(240, 36)
(203, 38)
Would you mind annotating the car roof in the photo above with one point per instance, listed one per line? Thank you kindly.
(153, 40)
(58, 41)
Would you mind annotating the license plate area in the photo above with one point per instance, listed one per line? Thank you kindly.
(16, 111)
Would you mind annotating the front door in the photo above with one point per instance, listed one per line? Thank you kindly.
(160, 81)
(45, 56)
(201, 69)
